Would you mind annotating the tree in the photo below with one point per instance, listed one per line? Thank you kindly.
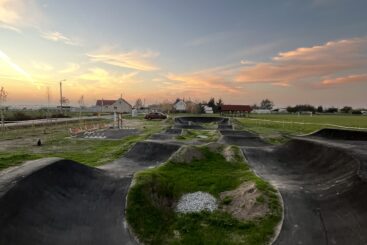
(219, 104)
(346, 109)
(332, 110)
(320, 109)
(266, 104)
(138, 104)
(3, 97)
(166, 106)
(213, 105)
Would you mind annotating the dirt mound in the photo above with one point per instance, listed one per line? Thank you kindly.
(149, 152)
(186, 154)
(341, 134)
(323, 188)
(64, 203)
(245, 202)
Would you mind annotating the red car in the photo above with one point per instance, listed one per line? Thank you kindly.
(155, 115)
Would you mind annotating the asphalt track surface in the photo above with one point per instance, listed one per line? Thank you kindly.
(323, 186)
(321, 177)
(197, 122)
(56, 201)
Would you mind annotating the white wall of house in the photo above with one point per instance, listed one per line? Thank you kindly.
(261, 111)
(180, 106)
(208, 110)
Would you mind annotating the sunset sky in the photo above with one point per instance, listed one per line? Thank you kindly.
(290, 51)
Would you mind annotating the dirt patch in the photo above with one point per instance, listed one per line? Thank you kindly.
(187, 154)
(244, 203)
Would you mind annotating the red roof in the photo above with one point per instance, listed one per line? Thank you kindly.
(236, 108)
(105, 102)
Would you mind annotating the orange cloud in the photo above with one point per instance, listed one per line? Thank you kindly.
(345, 79)
(138, 60)
(308, 63)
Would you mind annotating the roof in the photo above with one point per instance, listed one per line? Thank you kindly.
(109, 102)
(105, 102)
(235, 108)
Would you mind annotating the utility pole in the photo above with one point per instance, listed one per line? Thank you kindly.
(61, 95)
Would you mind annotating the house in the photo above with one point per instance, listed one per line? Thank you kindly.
(235, 110)
(261, 111)
(120, 105)
(180, 105)
(208, 109)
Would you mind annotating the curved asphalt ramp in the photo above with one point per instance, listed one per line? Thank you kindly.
(341, 134)
(240, 138)
(151, 153)
(323, 187)
(196, 122)
(64, 203)
(61, 202)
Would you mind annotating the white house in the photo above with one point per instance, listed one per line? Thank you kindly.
(261, 111)
(120, 105)
(180, 106)
(208, 109)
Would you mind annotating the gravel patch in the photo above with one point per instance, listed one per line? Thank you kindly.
(196, 202)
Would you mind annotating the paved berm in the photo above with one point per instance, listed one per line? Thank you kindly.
(322, 180)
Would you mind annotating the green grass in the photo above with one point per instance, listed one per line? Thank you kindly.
(277, 128)
(57, 143)
(200, 135)
(150, 209)
(13, 159)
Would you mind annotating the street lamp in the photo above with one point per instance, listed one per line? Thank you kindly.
(61, 95)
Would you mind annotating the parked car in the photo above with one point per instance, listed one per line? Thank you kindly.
(155, 115)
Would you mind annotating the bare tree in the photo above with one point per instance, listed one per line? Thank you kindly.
(3, 97)
(138, 104)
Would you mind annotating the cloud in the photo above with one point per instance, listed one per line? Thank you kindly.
(202, 81)
(310, 63)
(103, 76)
(345, 80)
(138, 60)
(70, 68)
(58, 37)
(247, 62)
(18, 13)
(42, 66)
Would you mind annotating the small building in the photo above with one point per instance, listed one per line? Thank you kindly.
(120, 105)
(235, 110)
(261, 111)
(208, 109)
(180, 106)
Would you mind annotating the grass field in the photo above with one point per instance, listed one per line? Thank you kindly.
(276, 128)
(19, 145)
(150, 211)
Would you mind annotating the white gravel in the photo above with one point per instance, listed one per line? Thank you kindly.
(196, 202)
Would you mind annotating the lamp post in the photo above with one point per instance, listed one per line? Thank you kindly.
(61, 95)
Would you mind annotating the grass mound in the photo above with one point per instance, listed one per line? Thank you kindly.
(154, 196)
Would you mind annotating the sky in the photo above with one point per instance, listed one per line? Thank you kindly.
(290, 51)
